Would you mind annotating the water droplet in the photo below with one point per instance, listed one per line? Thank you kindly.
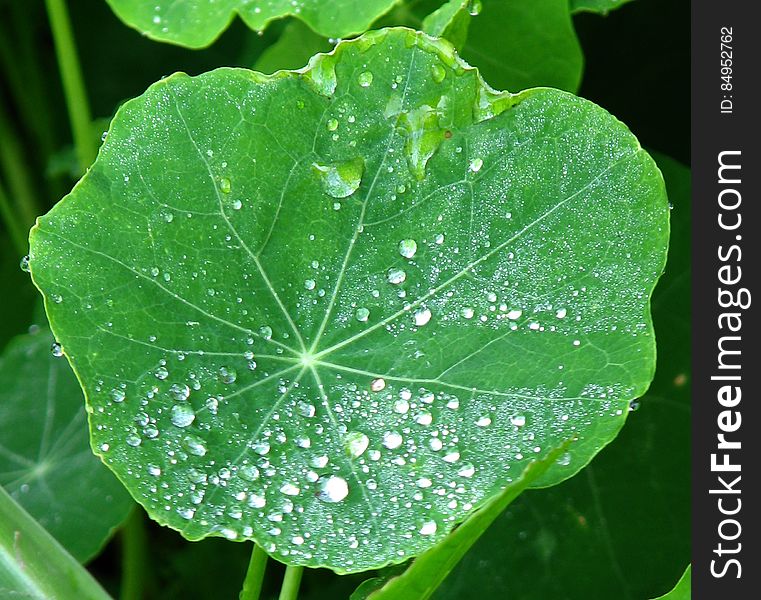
(407, 248)
(237, 205)
(161, 373)
(561, 313)
(476, 164)
(518, 420)
(224, 185)
(396, 276)
(332, 124)
(179, 391)
(392, 440)
(227, 375)
(365, 79)
(318, 462)
(265, 332)
(248, 472)
(422, 316)
(261, 448)
(305, 409)
(467, 471)
(133, 440)
(340, 180)
(401, 406)
(182, 415)
(436, 444)
(484, 422)
(154, 470)
(576, 343)
(57, 298)
(356, 443)
(289, 489)
(194, 445)
(474, 7)
(438, 72)
(428, 528)
(424, 418)
(514, 314)
(468, 312)
(24, 264)
(332, 488)
(378, 384)
(451, 457)
(117, 395)
(310, 284)
(634, 405)
(56, 349)
(362, 314)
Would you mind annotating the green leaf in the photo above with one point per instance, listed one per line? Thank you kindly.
(34, 565)
(425, 574)
(340, 376)
(197, 23)
(597, 6)
(293, 49)
(620, 510)
(450, 21)
(683, 588)
(45, 460)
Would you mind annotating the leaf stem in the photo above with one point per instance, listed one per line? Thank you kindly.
(291, 583)
(15, 228)
(13, 163)
(252, 585)
(73, 83)
(134, 548)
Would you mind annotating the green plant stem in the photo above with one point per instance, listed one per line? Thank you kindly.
(16, 174)
(134, 549)
(73, 83)
(291, 583)
(252, 585)
(15, 228)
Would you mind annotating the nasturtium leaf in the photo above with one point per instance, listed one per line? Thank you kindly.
(619, 511)
(45, 459)
(683, 588)
(516, 44)
(197, 23)
(343, 377)
(34, 565)
(597, 6)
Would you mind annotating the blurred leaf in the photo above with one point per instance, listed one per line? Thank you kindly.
(45, 459)
(19, 296)
(598, 6)
(389, 228)
(516, 44)
(683, 588)
(33, 565)
(197, 23)
(296, 45)
(426, 572)
(627, 513)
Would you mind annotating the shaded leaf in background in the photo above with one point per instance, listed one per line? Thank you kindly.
(197, 23)
(683, 588)
(450, 21)
(45, 459)
(516, 44)
(308, 307)
(426, 572)
(598, 6)
(34, 565)
(18, 302)
(619, 513)
(293, 49)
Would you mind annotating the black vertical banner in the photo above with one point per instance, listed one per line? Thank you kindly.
(726, 298)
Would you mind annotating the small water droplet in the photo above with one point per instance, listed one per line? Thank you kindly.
(561, 313)
(484, 422)
(362, 314)
(227, 375)
(514, 314)
(407, 248)
(133, 440)
(467, 471)
(225, 186)
(332, 124)
(428, 528)
(332, 488)
(289, 489)
(634, 405)
(378, 384)
(474, 7)
(161, 373)
(468, 312)
(476, 164)
(56, 349)
(340, 180)
(392, 440)
(422, 316)
(117, 395)
(438, 72)
(396, 276)
(179, 391)
(265, 332)
(24, 264)
(451, 457)
(310, 284)
(518, 420)
(356, 443)
(365, 79)
(194, 445)
(182, 415)
(248, 472)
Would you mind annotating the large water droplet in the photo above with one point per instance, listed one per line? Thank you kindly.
(225, 186)
(438, 72)
(248, 472)
(332, 488)
(378, 384)
(117, 395)
(179, 391)
(365, 79)
(194, 445)
(227, 375)
(392, 440)
(340, 180)
(396, 276)
(362, 314)
(422, 316)
(289, 489)
(428, 528)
